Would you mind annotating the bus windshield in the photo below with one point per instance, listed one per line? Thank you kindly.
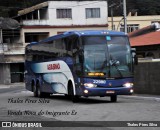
(107, 56)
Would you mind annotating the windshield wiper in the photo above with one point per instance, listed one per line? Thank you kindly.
(114, 63)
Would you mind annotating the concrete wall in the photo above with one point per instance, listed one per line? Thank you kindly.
(147, 78)
(5, 77)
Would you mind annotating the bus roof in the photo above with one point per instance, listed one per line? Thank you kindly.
(82, 33)
(96, 32)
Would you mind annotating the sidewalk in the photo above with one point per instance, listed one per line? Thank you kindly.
(3, 86)
(142, 97)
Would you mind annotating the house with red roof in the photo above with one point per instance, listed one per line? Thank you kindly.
(146, 41)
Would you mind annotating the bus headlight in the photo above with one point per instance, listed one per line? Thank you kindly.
(128, 85)
(131, 91)
(90, 85)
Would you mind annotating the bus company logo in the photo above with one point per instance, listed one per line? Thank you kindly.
(6, 124)
(110, 84)
(53, 66)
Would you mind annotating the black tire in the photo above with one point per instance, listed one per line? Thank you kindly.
(114, 98)
(66, 96)
(73, 97)
(35, 91)
(46, 95)
(40, 94)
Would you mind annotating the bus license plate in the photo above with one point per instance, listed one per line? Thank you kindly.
(111, 92)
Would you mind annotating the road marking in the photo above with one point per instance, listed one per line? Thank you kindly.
(142, 97)
(25, 91)
(157, 99)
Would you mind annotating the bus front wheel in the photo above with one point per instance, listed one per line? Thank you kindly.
(73, 97)
(114, 98)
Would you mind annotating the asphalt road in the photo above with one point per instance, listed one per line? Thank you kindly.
(18, 104)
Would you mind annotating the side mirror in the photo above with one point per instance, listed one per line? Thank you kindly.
(134, 56)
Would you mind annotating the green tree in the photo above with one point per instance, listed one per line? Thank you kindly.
(148, 7)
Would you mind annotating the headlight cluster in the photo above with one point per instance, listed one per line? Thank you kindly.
(128, 85)
(90, 85)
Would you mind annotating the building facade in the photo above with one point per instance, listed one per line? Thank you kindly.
(146, 41)
(133, 22)
(44, 20)
(11, 56)
(54, 17)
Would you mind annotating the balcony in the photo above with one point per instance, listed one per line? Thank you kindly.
(12, 49)
(35, 22)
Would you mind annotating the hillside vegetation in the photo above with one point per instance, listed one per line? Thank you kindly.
(9, 8)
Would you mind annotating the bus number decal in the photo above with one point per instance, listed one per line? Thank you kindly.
(99, 81)
(53, 66)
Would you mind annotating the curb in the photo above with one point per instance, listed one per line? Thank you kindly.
(143, 97)
(4, 86)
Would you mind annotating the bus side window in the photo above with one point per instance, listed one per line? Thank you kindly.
(71, 45)
(68, 48)
(75, 45)
(59, 47)
(34, 57)
(28, 55)
(76, 55)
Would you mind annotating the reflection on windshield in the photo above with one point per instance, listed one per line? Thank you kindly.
(110, 55)
(94, 57)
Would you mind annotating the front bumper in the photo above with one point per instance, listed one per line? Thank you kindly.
(106, 91)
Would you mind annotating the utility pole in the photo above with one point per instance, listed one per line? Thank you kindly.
(124, 16)
(1, 42)
(1, 39)
(112, 18)
(112, 22)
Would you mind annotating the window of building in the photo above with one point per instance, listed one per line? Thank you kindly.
(17, 72)
(11, 36)
(64, 13)
(35, 14)
(130, 27)
(43, 13)
(35, 36)
(60, 32)
(92, 12)
(29, 16)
